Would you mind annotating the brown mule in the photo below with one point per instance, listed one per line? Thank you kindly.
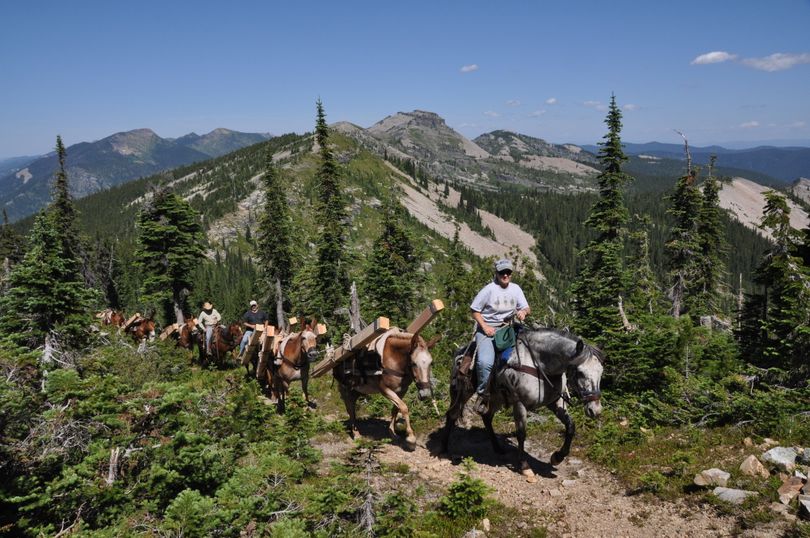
(191, 338)
(224, 341)
(402, 359)
(142, 330)
(295, 353)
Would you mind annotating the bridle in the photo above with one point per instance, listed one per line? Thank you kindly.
(585, 395)
(421, 385)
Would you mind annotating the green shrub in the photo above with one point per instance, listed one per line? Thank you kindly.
(467, 496)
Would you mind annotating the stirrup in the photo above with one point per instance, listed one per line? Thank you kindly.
(481, 405)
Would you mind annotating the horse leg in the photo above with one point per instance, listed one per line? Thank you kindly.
(458, 398)
(349, 398)
(562, 414)
(519, 412)
(487, 418)
(392, 426)
(410, 437)
(305, 385)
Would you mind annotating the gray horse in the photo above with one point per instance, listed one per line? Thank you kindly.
(534, 376)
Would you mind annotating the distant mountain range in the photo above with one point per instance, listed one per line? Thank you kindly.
(783, 163)
(92, 166)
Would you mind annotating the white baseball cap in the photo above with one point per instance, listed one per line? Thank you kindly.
(254, 303)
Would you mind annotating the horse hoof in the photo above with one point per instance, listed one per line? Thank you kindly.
(528, 474)
(410, 444)
(556, 459)
(312, 405)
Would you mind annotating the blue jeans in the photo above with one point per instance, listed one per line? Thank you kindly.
(209, 332)
(245, 340)
(485, 359)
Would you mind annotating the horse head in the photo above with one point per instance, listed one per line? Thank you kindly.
(420, 361)
(587, 379)
(554, 350)
(235, 332)
(309, 341)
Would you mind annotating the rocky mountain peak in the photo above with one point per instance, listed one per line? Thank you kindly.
(135, 142)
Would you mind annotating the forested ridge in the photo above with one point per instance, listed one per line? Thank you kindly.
(102, 437)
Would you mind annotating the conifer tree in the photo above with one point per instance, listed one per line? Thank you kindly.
(11, 248)
(683, 245)
(599, 284)
(46, 290)
(389, 286)
(331, 278)
(170, 246)
(274, 247)
(775, 324)
(711, 247)
(642, 288)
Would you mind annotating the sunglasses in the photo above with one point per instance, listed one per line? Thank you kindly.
(505, 273)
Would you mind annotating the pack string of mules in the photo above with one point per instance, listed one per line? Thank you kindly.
(531, 374)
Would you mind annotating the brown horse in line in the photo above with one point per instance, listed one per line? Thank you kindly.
(192, 338)
(295, 353)
(142, 330)
(398, 359)
(111, 317)
(224, 341)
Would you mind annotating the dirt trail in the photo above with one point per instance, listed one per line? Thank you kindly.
(575, 499)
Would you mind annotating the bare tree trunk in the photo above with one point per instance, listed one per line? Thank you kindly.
(112, 471)
(629, 327)
(179, 299)
(280, 318)
(739, 304)
(354, 311)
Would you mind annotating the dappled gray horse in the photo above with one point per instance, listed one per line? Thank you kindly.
(534, 376)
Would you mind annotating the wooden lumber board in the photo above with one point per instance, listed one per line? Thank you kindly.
(356, 343)
(136, 316)
(257, 337)
(419, 323)
(320, 329)
(168, 331)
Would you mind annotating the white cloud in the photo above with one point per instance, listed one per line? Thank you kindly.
(551, 101)
(596, 105)
(513, 102)
(630, 107)
(749, 124)
(469, 68)
(536, 113)
(798, 125)
(492, 114)
(777, 62)
(715, 57)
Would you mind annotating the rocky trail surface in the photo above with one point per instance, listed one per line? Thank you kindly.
(575, 499)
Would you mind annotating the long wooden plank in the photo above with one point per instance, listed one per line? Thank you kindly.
(435, 306)
(356, 343)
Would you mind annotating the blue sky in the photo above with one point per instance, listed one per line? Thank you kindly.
(720, 71)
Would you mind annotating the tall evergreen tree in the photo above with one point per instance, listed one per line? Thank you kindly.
(775, 328)
(599, 284)
(11, 248)
(389, 286)
(275, 249)
(331, 277)
(711, 248)
(170, 245)
(683, 245)
(46, 290)
(642, 288)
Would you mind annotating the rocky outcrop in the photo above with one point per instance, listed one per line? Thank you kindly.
(712, 477)
(733, 496)
(753, 467)
(783, 458)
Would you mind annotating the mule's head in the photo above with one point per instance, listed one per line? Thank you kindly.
(421, 359)
(587, 379)
(235, 330)
(309, 342)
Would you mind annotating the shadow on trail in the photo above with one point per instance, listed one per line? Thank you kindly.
(376, 429)
(474, 443)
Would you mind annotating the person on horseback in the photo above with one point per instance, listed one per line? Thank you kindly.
(250, 319)
(490, 309)
(209, 320)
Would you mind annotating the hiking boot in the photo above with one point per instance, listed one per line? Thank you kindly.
(481, 404)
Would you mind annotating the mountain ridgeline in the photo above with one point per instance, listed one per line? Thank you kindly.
(111, 161)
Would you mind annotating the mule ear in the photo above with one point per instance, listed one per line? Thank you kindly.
(580, 347)
(433, 341)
